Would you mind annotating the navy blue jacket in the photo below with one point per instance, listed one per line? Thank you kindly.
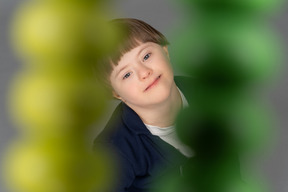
(143, 157)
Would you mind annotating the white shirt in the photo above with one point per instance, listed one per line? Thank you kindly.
(168, 134)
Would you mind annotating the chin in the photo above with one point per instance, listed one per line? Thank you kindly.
(161, 96)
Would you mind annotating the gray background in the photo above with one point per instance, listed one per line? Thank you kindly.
(166, 16)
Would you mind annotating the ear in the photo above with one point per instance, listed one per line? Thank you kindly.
(165, 48)
(115, 95)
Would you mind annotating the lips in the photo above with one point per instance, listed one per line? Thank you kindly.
(153, 83)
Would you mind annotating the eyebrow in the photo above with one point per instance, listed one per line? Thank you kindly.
(120, 71)
(143, 48)
(139, 52)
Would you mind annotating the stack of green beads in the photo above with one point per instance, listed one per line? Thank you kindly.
(231, 53)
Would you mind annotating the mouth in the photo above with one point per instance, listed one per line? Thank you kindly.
(153, 83)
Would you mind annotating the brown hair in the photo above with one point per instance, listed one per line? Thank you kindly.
(133, 32)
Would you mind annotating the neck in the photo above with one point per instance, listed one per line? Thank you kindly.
(163, 114)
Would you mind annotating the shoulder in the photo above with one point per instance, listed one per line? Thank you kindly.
(127, 137)
(123, 131)
(115, 128)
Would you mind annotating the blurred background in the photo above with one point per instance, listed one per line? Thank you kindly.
(167, 16)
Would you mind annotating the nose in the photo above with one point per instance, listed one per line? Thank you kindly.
(144, 72)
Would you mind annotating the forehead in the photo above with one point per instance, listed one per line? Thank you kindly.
(134, 53)
(137, 50)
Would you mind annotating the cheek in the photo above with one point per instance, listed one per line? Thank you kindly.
(166, 67)
(164, 63)
(127, 91)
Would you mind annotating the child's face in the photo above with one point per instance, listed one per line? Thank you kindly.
(143, 76)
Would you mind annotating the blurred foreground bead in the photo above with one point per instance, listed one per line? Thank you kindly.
(228, 53)
(235, 6)
(53, 30)
(254, 125)
(56, 102)
(48, 166)
(206, 133)
(172, 183)
(245, 127)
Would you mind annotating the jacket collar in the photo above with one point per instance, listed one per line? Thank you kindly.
(133, 121)
(136, 125)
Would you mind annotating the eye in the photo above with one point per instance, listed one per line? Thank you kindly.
(127, 75)
(146, 56)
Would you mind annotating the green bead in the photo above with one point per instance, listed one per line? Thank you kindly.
(240, 6)
(232, 52)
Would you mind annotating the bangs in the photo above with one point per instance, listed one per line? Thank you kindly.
(124, 47)
(133, 33)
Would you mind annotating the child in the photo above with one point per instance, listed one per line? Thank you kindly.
(141, 130)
